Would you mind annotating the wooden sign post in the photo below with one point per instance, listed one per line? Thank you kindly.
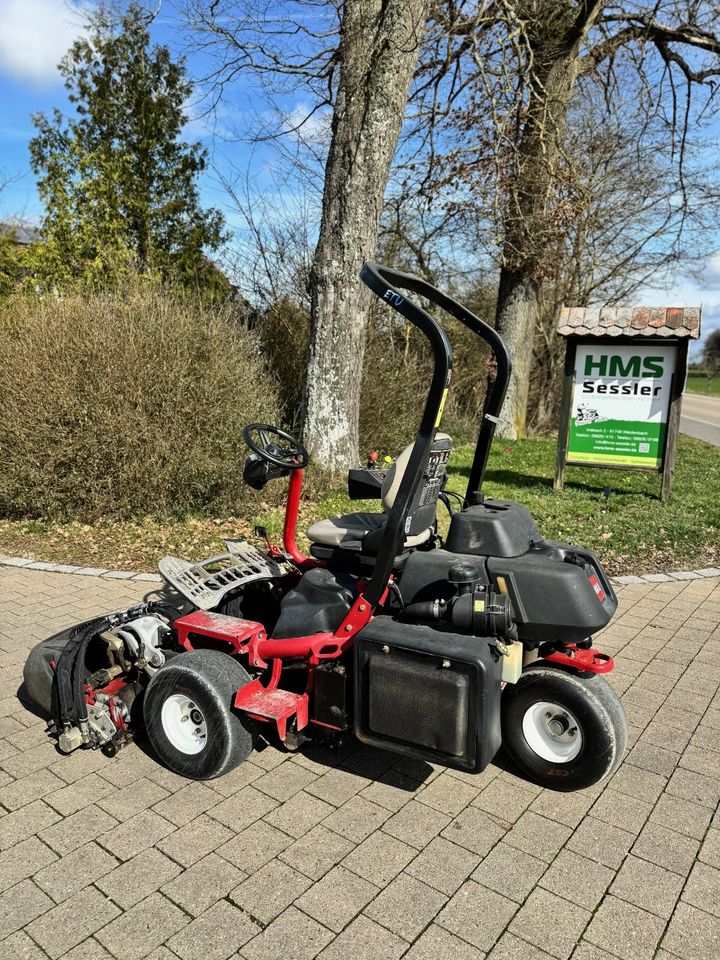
(624, 378)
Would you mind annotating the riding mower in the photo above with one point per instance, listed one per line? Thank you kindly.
(436, 649)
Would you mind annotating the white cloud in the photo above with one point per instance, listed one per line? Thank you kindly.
(312, 127)
(710, 278)
(204, 121)
(34, 36)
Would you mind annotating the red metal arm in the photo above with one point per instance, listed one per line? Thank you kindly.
(585, 661)
(291, 515)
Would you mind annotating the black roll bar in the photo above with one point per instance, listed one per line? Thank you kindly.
(381, 281)
(496, 394)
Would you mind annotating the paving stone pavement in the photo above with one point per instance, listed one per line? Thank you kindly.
(360, 854)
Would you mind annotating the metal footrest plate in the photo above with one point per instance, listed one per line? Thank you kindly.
(207, 582)
(273, 704)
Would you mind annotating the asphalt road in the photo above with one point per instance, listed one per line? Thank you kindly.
(701, 418)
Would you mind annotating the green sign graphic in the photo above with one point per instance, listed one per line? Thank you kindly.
(620, 404)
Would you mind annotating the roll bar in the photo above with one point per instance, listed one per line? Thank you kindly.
(379, 280)
(382, 281)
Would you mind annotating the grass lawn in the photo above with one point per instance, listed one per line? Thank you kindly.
(699, 383)
(630, 530)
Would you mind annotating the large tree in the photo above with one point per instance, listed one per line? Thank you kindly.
(118, 182)
(357, 58)
(572, 39)
(379, 44)
(508, 75)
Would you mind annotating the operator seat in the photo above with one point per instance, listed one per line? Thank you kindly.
(351, 530)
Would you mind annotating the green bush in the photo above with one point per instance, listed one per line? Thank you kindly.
(284, 331)
(396, 379)
(124, 403)
(131, 403)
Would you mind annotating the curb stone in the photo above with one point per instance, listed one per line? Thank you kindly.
(68, 568)
(145, 577)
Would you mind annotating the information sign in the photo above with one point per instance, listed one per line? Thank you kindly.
(620, 404)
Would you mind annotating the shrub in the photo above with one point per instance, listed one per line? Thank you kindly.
(396, 380)
(284, 331)
(126, 403)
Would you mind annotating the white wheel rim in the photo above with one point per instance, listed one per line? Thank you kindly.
(552, 732)
(183, 724)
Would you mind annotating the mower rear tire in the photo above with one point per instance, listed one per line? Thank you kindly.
(189, 717)
(564, 731)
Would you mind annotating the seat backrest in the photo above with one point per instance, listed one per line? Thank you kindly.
(391, 483)
(393, 478)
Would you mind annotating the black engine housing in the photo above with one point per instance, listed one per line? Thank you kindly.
(559, 593)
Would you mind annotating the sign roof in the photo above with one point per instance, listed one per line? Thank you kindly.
(630, 322)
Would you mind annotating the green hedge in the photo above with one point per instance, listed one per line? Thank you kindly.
(124, 403)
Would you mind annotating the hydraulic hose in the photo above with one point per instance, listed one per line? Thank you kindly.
(67, 675)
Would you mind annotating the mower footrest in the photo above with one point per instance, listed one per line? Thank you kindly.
(273, 704)
(216, 626)
(206, 583)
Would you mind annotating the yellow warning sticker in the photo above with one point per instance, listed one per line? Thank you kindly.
(479, 606)
(442, 407)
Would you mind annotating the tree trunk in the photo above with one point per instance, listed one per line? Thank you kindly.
(378, 50)
(517, 318)
(529, 228)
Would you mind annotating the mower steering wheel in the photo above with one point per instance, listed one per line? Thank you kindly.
(290, 454)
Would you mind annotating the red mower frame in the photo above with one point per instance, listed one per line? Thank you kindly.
(267, 701)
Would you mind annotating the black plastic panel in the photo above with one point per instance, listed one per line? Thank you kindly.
(495, 528)
(365, 484)
(553, 598)
(427, 694)
(330, 691)
(319, 603)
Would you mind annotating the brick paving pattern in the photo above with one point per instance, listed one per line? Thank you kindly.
(360, 854)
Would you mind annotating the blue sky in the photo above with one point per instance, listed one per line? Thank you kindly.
(34, 34)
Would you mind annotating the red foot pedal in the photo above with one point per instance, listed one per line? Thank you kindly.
(273, 704)
(216, 626)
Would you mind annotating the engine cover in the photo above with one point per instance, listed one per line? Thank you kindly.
(495, 528)
(427, 693)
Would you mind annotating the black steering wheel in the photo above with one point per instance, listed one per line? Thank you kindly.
(290, 454)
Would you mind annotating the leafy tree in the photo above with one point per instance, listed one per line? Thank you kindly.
(118, 183)
(711, 353)
(11, 268)
(509, 76)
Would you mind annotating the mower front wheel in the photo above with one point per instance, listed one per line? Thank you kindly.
(564, 731)
(189, 717)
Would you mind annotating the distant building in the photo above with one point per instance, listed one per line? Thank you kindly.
(22, 234)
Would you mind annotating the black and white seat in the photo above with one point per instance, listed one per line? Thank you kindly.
(358, 531)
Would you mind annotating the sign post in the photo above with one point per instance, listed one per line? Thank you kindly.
(622, 390)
